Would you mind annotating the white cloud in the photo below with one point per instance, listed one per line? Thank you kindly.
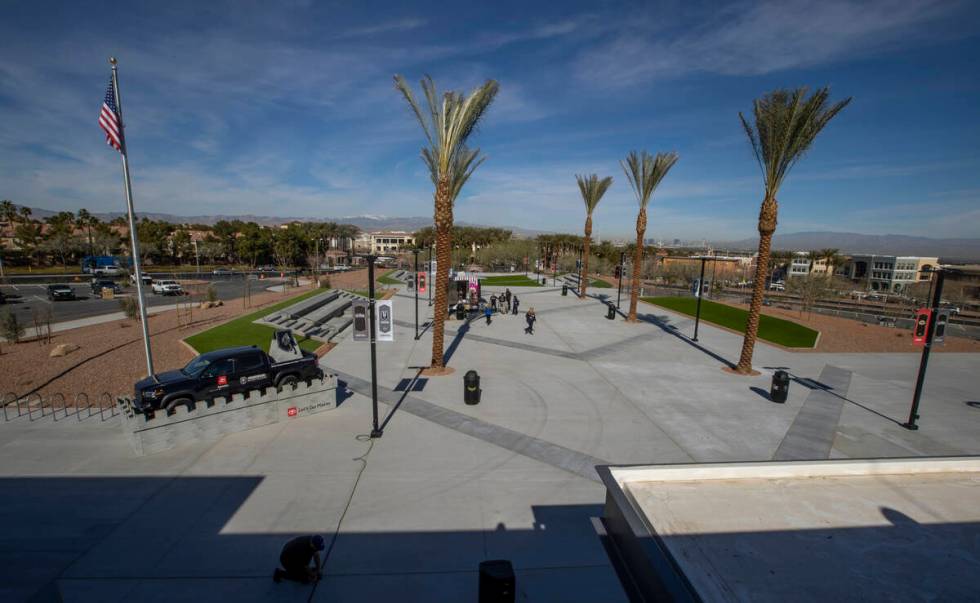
(752, 38)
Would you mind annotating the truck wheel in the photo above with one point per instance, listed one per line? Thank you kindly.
(171, 405)
(288, 381)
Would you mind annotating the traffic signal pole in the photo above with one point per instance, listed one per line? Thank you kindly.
(926, 348)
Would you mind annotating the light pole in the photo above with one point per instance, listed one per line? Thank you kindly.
(376, 431)
(619, 294)
(197, 256)
(415, 276)
(697, 313)
(926, 348)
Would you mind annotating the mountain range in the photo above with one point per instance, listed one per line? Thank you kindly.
(950, 250)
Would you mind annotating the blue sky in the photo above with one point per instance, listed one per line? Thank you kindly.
(288, 109)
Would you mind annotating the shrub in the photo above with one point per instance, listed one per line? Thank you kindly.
(130, 307)
(11, 328)
(212, 293)
(324, 282)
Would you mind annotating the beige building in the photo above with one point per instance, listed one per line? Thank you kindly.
(380, 243)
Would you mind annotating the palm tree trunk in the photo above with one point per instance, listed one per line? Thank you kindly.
(767, 226)
(584, 282)
(641, 228)
(443, 219)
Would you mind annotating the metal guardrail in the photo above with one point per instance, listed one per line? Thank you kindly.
(56, 407)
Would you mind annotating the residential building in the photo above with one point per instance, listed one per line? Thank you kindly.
(888, 272)
(799, 265)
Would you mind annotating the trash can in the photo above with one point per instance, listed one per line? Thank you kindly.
(460, 312)
(611, 312)
(564, 289)
(544, 281)
(471, 388)
(497, 582)
(780, 387)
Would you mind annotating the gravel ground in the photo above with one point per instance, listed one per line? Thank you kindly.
(110, 358)
(845, 335)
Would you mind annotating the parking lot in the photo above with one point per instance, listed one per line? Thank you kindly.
(23, 299)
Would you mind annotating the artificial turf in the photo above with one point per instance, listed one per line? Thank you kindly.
(775, 330)
(509, 280)
(242, 331)
(599, 284)
(384, 279)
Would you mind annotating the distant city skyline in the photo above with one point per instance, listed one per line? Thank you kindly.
(290, 110)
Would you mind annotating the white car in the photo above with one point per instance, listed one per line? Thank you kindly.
(167, 288)
(107, 271)
(147, 280)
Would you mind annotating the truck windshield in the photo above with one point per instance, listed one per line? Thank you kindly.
(196, 367)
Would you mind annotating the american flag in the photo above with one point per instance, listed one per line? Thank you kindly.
(109, 119)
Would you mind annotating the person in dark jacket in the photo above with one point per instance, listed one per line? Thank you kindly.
(514, 304)
(493, 302)
(530, 317)
(296, 557)
(488, 313)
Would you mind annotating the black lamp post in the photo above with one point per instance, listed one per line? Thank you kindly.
(376, 431)
(415, 276)
(622, 267)
(697, 314)
(926, 348)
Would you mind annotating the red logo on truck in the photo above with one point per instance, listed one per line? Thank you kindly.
(223, 380)
(291, 412)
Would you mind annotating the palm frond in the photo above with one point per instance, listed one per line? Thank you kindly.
(592, 189)
(786, 124)
(645, 172)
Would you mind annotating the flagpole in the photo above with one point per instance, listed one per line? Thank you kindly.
(133, 238)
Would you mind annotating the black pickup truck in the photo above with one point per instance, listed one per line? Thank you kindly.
(223, 373)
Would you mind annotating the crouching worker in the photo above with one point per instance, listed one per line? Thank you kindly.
(296, 557)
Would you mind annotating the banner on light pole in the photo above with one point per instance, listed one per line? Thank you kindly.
(386, 320)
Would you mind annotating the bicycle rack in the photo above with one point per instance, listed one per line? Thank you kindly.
(30, 411)
(78, 407)
(54, 409)
(7, 399)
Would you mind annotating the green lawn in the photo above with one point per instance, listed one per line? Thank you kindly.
(776, 330)
(384, 279)
(599, 284)
(242, 331)
(509, 280)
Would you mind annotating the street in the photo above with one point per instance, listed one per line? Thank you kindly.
(23, 299)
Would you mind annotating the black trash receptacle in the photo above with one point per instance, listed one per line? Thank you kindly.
(544, 281)
(564, 289)
(460, 312)
(780, 387)
(471, 388)
(497, 582)
(611, 312)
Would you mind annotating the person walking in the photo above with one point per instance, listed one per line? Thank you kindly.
(530, 317)
(493, 302)
(488, 313)
(507, 296)
(514, 305)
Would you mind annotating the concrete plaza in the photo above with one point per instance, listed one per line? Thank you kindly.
(448, 485)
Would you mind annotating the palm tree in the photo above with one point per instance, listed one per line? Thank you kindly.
(86, 221)
(447, 125)
(8, 212)
(831, 258)
(644, 173)
(786, 124)
(592, 190)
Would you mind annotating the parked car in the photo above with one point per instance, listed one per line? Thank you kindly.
(56, 292)
(99, 284)
(266, 269)
(221, 271)
(107, 271)
(167, 288)
(147, 280)
(223, 373)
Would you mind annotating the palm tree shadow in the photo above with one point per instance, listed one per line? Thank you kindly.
(460, 334)
(664, 323)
